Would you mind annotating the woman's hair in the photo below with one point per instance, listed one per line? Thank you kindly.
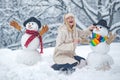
(65, 22)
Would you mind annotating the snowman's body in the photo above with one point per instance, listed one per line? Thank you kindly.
(101, 48)
(99, 57)
(29, 55)
(33, 45)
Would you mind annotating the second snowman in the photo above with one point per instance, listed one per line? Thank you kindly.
(99, 57)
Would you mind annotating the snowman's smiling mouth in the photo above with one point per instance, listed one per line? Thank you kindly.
(97, 29)
(29, 27)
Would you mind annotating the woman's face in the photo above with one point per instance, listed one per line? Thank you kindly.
(70, 21)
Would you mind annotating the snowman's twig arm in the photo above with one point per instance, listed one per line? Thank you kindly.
(15, 25)
(43, 30)
(110, 38)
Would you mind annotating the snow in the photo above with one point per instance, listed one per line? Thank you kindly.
(116, 24)
(50, 12)
(80, 24)
(115, 27)
(11, 70)
(89, 8)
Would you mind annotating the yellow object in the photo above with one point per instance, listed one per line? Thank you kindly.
(43, 30)
(16, 25)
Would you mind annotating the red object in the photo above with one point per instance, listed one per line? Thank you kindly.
(33, 35)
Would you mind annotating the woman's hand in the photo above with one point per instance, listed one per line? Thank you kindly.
(76, 41)
(91, 27)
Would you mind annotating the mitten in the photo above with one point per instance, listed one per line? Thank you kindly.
(15, 25)
(43, 30)
(110, 38)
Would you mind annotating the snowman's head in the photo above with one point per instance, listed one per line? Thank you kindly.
(32, 24)
(101, 28)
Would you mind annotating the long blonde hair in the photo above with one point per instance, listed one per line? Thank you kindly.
(66, 23)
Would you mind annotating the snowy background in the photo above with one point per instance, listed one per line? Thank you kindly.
(51, 12)
(11, 70)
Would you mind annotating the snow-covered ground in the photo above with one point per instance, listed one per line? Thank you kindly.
(11, 70)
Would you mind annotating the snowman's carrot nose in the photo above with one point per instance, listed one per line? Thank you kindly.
(29, 26)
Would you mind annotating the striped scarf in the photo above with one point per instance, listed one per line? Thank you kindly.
(96, 39)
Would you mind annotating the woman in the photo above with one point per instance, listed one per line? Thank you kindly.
(64, 56)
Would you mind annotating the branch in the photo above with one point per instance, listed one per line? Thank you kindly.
(90, 9)
(84, 9)
(63, 5)
(44, 11)
(114, 26)
(79, 24)
(60, 7)
(112, 11)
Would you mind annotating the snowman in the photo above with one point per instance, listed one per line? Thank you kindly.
(30, 41)
(99, 57)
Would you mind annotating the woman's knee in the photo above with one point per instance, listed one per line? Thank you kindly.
(64, 67)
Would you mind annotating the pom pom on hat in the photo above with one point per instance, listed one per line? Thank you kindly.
(68, 15)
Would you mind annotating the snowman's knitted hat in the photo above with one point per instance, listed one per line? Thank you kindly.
(32, 19)
(102, 23)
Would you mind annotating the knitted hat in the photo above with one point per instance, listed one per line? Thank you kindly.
(68, 15)
(102, 23)
(32, 19)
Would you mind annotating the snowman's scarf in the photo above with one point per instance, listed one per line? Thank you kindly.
(33, 35)
(96, 39)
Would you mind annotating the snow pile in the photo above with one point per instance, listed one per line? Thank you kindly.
(11, 70)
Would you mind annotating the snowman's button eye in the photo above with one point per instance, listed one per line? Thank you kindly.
(100, 27)
(32, 23)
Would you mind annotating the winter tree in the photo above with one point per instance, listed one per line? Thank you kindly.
(51, 12)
